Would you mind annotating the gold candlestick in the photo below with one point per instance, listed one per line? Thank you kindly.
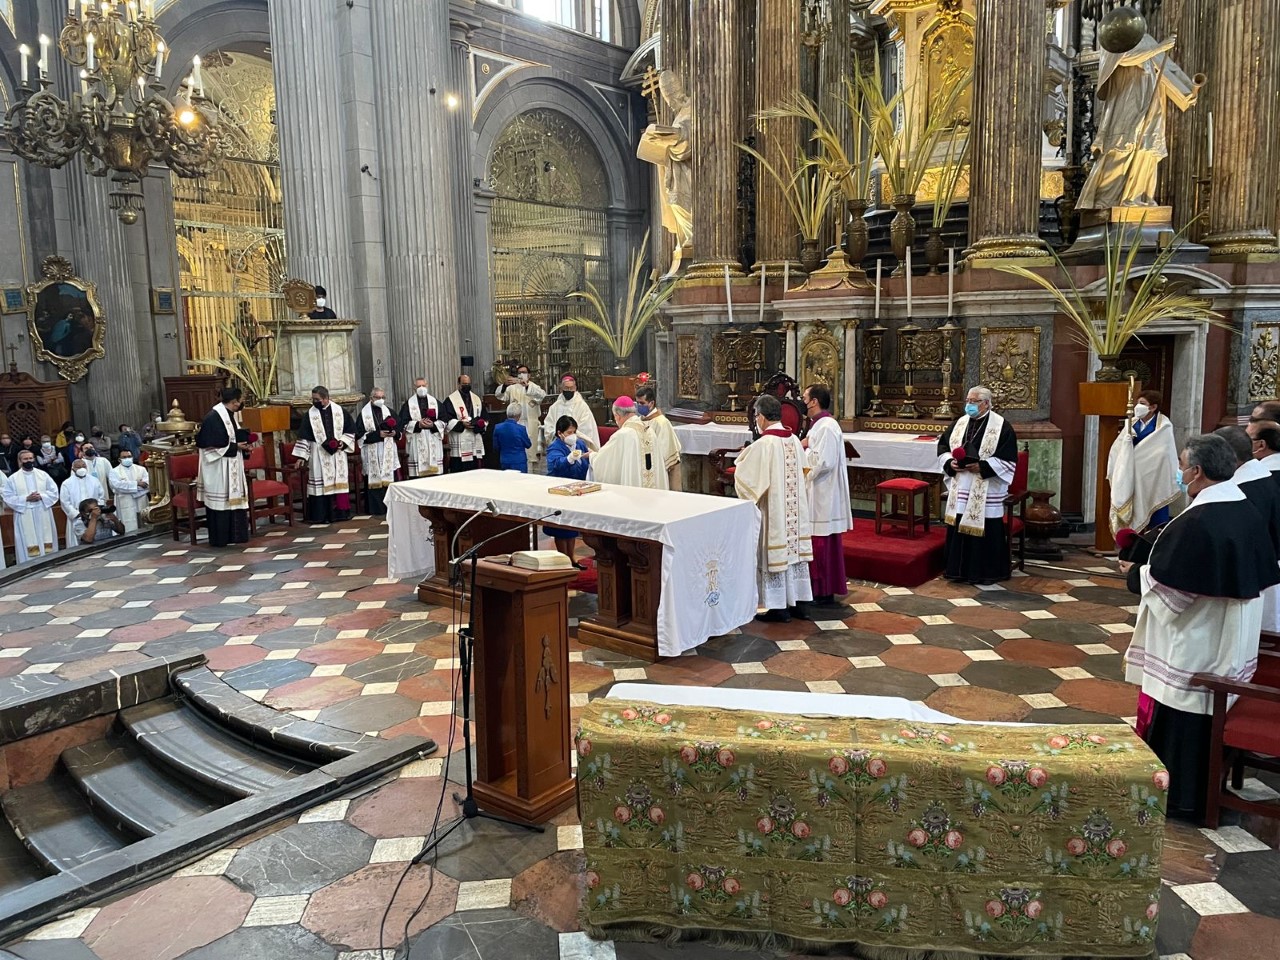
(908, 333)
(875, 350)
(945, 411)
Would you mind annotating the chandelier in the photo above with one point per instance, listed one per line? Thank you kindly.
(1097, 9)
(119, 121)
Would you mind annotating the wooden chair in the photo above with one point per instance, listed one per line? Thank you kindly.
(1016, 501)
(1246, 734)
(295, 476)
(275, 495)
(188, 509)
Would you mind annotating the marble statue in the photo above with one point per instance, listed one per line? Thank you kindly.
(1135, 88)
(670, 148)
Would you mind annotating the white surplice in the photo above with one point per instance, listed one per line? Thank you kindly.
(73, 493)
(577, 408)
(100, 467)
(529, 396)
(669, 446)
(327, 472)
(1270, 597)
(631, 458)
(467, 444)
(1142, 475)
(828, 478)
(223, 485)
(381, 460)
(424, 445)
(129, 488)
(770, 473)
(34, 531)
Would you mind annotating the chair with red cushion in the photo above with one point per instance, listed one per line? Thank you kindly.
(606, 433)
(1016, 500)
(183, 497)
(721, 463)
(1246, 734)
(269, 496)
(903, 490)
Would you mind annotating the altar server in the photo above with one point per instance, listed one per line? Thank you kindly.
(464, 422)
(632, 457)
(379, 454)
(829, 506)
(98, 465)
(570, 404)
(223, 486)
(31, 494)
(423, 431)
(770, 474)
(130, 486)
(1141, 467)
(978, 455)
(529, 396)
(326, 437)
(1200, 612)
(664, 434)
(77, 488)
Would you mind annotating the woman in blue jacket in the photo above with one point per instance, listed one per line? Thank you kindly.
(567, 459)
(512, 440)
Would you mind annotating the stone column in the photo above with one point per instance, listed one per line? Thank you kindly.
(471, 320)
(1195, 25)
(715, 66)
(1242, 205)
(304, 49)
(777, 80)
(412, 74)
(1008, 95)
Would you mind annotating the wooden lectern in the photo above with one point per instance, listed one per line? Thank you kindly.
(523, 744)
(1109, 402)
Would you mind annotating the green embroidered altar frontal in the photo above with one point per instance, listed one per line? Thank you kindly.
(1031, 841)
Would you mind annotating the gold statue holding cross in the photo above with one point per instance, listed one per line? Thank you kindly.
(670, 147)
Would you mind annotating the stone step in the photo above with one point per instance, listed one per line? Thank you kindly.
(17, 867)
(130, 792)
(178, 736)
(54, 821)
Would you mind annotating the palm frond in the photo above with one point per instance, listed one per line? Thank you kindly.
(254, 371)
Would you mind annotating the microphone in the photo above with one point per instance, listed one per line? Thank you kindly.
(457, 564)
(489, 507)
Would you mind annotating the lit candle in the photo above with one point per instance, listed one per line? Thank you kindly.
(43, 65)
(84, 83)
(90, 41)
(1210, 138)
(160, 48)
(71, 8)
(763, 271)
(197, 78)
(908, 283)
(26, 52)
(132, 7)
(879, 267)
(951, 281)
(728, 293)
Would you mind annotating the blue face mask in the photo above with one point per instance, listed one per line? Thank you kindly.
(643, 409)
(971, 409)
(1177, 478)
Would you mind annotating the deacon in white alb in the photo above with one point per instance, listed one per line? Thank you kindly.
(325, 438)
(423, 430)
(632, 457)
(99, 466)
(664, 434)
(829, 504)
(523, 391)
(77, 488)
(31, 494)
(130, 486)
(770, 473)
(570, 404)
(464, 422)
(1141, 468)
(378, 452)
(223, 486)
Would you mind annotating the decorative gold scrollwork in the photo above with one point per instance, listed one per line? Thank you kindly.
(1010, 366)
(1264, 363)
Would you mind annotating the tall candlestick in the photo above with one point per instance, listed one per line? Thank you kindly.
(90, 41)
(763, 270)
(1210, 138)
(951, 281)
(908, 283)
(43, 65)
(197, 78)
(879, 267)
(160, 48)
(26, 52)
(728, 294)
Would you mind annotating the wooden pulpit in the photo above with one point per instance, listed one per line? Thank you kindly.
(1110, 403)
(523, 743)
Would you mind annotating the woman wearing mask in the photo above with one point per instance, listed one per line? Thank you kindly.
(50, 460)
(568, 459)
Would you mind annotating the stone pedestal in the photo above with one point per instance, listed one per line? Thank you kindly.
(314, 352)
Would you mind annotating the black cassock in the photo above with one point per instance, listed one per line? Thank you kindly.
(983, 559)
(328, 508)
(447, 413)
(225, 526)
(377, 499)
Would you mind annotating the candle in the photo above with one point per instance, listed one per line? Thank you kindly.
(908, 283)
(71, 8)
(728, 294)
(786, 276)
(142, 89)
(160, 48)
(84, 83)
(90, 41)
(26, 52)
(951, 281)
(1211, 138)
(879, 266)
(132, 8)
(43, 65)
(763, 271)
(197, 79)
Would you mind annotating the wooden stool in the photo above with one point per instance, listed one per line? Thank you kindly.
(907, 488)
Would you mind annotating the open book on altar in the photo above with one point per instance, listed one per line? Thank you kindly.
(575, 489)
(541, 560)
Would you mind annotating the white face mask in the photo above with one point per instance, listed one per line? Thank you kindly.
(158, 419)
(524, 377)
(570, 438)
(1141, 410)
(320, 301)
(82, 472)
(381, 401)
(422, 393)
(79, 438)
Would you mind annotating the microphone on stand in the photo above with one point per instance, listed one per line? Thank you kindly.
(489, 507)
(483, 543)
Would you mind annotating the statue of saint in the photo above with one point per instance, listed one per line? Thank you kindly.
(1134, 88)
(671, 149)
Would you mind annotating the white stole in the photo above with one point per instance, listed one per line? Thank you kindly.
(973, 518)
(425, 449)
(467, 445)
(380, 459)
(222, 481)
(34, 524)
(328, 471)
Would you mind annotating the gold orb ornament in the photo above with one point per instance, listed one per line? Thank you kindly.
(1121, 30)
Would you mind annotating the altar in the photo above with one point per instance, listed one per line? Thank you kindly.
(675, 569)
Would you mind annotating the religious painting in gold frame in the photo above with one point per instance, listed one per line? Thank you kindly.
(66, 319)
(820, 363)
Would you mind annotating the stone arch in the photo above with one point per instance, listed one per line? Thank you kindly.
(1206, 282)
(195, 27)
(628, 23)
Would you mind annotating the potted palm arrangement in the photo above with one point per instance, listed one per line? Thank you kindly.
(619, 330)
(948, 183)
(809, 190)
(251, 363)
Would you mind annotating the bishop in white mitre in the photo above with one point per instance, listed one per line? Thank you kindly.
(829, 506)
(76, 489)
(130, 488)
(632, 457)
(224, 489)
(570, 404)
(528, 396)
(423, 432)
(770, 474)
(325, 438)
(31, 494)
(379, 454)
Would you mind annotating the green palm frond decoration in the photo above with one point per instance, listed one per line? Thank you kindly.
(1107, 324)
(851, 170)
(808, 188)
(949, 178)
(252, 368)
(620, 330)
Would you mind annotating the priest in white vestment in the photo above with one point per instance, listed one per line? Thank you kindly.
(423, 432)
(632, 457)
(1200, 612)
(77, 488)
(379, 455)
(98, 464)
(569, 403)
(31, 494)
(770, 473)
(325, 439)
(224, 489)
(130, 487)
(664, 434)
(463, 416)
(829, 507)
(1141, 468)
(529, 396)
(1264, 435)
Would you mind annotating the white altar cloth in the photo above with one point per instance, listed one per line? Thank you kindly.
(894, 451)
(699, 439)
(709, 544)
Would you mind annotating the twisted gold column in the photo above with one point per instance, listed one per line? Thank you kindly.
(1009, 54)
(777, 80)
(1242, 205)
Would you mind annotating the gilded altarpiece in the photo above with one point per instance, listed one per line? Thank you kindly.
(688, 367)
(1009, 365)
(1264, 362)
(821, 362)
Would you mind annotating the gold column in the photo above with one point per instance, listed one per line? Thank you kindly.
(1242, 205)
(1195, 25)
(1008, 93)
(777, 80)
(715, 65)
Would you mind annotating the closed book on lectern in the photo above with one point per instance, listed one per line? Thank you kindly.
(541, 560)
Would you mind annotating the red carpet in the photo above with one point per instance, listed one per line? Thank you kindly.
(588, 580)
(892, 558)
